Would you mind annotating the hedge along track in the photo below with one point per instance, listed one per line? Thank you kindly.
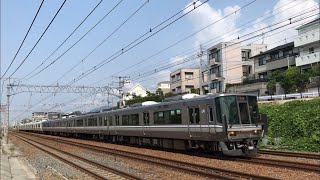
(201, 170)
(291, 154)
(93, 169)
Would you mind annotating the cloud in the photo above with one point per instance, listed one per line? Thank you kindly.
(283, 10)
(206, 15)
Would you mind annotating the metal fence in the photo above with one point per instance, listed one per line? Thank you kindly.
(289, 96)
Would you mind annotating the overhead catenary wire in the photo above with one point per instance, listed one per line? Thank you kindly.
(25, 37)
(205, 42)
(39, 39)
(238, 63)
(141, 36)
(106, 15)
(126, 48)
(65, 39)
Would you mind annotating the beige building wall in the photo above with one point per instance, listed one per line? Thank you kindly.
(183, 80)
(228, 63)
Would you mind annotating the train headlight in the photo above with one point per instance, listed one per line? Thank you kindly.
(232, 133)
(256, 131)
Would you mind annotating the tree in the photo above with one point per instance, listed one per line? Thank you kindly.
(271, 86)
(301, 82)
(287, 81)
(159, 92)
(272, 82)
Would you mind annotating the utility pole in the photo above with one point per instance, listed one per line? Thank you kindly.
(8, 112)
(201, 78)
(122, 80)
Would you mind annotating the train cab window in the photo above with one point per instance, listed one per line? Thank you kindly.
(100, 121)
(146, 120)
(244, 113)
(210, 114)
(194, 115)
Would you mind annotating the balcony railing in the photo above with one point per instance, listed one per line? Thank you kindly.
(308, 59)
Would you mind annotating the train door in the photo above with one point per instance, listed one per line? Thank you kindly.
(194, 125)
(210, 119)
(146, 124)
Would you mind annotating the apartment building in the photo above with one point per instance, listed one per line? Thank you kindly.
(164, 86)
(183, 80)
(227, 63)
(265, 63)
(308, 43)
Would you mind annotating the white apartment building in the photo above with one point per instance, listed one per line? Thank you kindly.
(227, 63)
(164, 86)
(183, 80)
(308, 42)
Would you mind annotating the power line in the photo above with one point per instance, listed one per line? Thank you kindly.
(124, 50)
(39, 38)
(149, 31)
(77, 40)
(207, 41)
(105, 39)
(65, 39)
(24, 39)
(267, 27)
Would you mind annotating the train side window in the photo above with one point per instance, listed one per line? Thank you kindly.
(110, 120)
(146, 120)
(125, 120)
(210, 114)
(100, 121)
(79, 123)
(92, 122)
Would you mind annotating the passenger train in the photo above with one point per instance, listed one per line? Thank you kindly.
(227, 123)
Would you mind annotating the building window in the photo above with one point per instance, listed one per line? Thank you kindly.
(188, 75)
(219, 85)
(212, 85)
(262, 61)
(243, 55)
(311, 50)
(178, 76)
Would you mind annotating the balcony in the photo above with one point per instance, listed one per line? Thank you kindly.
(214, 76)
(279, 63)
(307, 38)
(213, 62)
(308, 59)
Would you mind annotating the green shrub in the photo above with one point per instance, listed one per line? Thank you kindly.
(297, 123)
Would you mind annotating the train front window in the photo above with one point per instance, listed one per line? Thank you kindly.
(244, 113)
(227, 106)
(253, 109)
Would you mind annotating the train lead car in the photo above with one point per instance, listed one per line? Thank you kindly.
(227, 123)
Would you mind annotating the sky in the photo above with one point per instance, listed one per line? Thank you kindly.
(147, 63)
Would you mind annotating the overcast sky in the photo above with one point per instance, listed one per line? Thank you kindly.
(234, 21)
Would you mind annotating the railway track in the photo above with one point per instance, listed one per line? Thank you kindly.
(290, 154)
(200, 170)
(93, 169)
